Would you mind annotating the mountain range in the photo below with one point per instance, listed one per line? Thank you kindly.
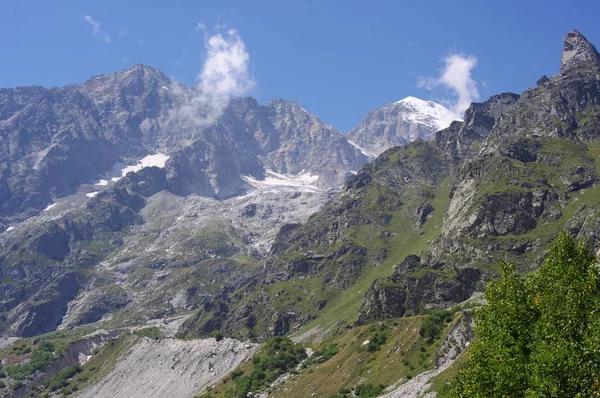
(124, 209)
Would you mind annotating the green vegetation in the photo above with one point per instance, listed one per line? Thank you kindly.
(217, 335)
(434, 324)
(152, 332)
(403, 354)
(323, 354)
(368, 390)
(20, 347)
(41, 358)
(61, 379)
(378, 338)
(538, 336)
(278, 356)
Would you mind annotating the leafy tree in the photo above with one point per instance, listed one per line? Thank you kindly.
(538, 336)
(566, 292)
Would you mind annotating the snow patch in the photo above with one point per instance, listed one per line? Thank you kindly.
(102, 183)
(92, 194)
(364, 151)
(303, 181)
(120, 170)
(51, 205)
(9, 229)
(165, 88)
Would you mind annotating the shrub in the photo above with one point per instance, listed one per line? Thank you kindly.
(368, 390)
(217, 334)
(376, 341)
(279, 355)
(61, 378)
(433, 325)
(151, 332)
(16, 385)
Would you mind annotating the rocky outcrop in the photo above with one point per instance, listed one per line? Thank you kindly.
(578, 52)
(414, 286)
(384, 299)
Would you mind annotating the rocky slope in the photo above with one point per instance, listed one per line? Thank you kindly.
(400, 123)
(157, 368)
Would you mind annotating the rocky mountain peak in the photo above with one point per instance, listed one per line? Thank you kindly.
(282, 106)
(134, 80)
(578, 52)
(399, 123)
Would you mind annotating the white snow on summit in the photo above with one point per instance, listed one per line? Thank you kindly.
(427, 113)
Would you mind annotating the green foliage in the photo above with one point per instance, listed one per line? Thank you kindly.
(434, 324)
(378, 337)
(152, 332)
(16, 385)
(20, 347)
(323, 354)
(217, 334)
(42, 357)
(61, 379)
(368, 390)
(279, 355)
(344, 393)
(538, 336)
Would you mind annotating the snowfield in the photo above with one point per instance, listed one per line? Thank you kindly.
(303, 181)
(120, 170)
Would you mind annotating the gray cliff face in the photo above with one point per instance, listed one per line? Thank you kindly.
(294, 141)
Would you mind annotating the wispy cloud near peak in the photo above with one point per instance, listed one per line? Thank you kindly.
(456, 76)
(98, 33)
(225, 74)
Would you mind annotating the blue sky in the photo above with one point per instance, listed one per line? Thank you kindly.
(338, 59)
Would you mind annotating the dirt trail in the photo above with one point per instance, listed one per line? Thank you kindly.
(170, 368)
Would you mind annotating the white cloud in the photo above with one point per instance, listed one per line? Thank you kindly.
(200, 27)
(98, 33)
(224, 75)
(456, 76)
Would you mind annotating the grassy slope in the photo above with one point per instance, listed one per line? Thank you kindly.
(404, 355)
(403, 242)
